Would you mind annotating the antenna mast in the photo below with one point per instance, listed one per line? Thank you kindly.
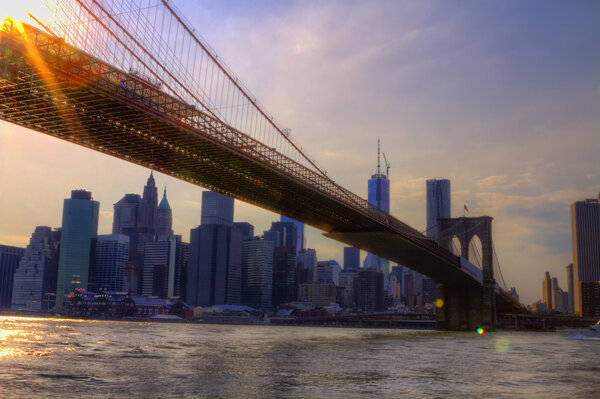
(378, 159)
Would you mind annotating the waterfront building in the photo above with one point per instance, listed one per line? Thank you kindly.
(112, 254)
(571, 288)
(369, 290)
(351, 258)
(9, 261)
(164, 217)
(438, 204)
(216, 209)
(300, 239)
(585, 223)
(148, 206)
(34, 287)
(257, 273)
(214, 272)
(318, 294)
(78, 233)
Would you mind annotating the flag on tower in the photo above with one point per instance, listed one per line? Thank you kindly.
(466, 209)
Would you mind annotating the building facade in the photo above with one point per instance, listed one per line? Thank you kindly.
(300, 239)
(9, 261)
(257, 273)
(216, 209)
(351, 258)
(126, 213)
(438, 204)
(112, 254)
(164, 217)
(148, 206)
(585, 223)
(369, 291)
(164, 264)
(34, 287)
(214, 272)
(78, 233)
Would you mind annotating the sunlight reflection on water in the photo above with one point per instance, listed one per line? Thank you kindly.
(64, 357)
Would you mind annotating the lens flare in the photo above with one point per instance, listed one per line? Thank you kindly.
(439, 303)
(480, 331)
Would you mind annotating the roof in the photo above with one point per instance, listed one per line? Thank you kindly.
(164, 204)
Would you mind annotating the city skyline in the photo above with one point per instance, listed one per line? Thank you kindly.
(523, 133)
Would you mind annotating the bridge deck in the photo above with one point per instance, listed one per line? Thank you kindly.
(53, 88)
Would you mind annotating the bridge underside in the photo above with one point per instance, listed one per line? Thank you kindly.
(392, 246)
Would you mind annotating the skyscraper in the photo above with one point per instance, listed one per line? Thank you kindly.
(126, 213)
(112, 253)
(571, 288)
(35, 277)
(214, 273)
(585, 223)
(307, 262)
(284, 274)
(288, 234)
(300, 239)
(351, 258)
(164, 264)
(79, 230)
(438, 204)
(379, 196)
(547, 291)
(369, 290)
(216, 209)
(148, 206)
(9, 261)
(257, 273)
(164, 217)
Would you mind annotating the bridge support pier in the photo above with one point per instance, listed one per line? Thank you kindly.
(465, 307)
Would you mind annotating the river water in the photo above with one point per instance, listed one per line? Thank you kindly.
(57, 358)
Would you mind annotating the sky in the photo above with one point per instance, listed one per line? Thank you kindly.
(500, 97)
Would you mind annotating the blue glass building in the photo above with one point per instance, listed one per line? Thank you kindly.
(79, 230)
(379, 196)
(112, 253)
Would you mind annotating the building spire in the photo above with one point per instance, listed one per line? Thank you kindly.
(164, 203)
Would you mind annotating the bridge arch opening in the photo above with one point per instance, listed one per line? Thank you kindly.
(455, 246)
(475, 251)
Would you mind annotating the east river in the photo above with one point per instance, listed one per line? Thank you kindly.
(58, 358)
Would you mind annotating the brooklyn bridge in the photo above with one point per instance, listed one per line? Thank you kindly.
(137, 83)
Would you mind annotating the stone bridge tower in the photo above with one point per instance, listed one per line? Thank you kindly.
(467, 307)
